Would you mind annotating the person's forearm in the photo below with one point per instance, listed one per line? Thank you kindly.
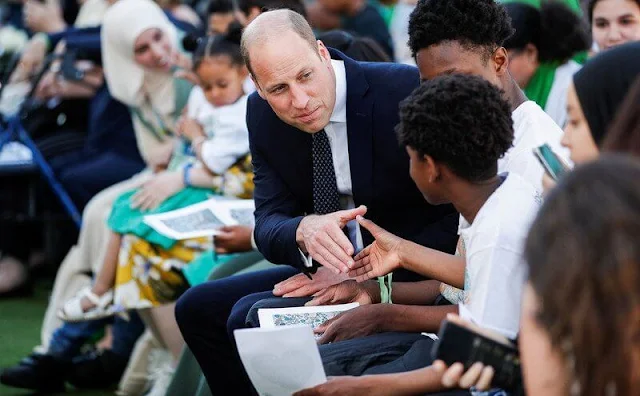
(200, 177)
(432, 263)
(417, 382)
(416, 293)
(414, 318)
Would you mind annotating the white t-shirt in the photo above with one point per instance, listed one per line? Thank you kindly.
(495, 271)
(556, 105)
(532, 127)
(225, 127)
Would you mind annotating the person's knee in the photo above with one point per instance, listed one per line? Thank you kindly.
(187, 308)
(253, 319)
(95, 211)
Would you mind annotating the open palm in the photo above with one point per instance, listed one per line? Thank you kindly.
(379, 258)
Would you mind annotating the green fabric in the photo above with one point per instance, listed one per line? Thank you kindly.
(385, 288)
(198, 270)
(540, 84)
(125, 220)
(573, 4)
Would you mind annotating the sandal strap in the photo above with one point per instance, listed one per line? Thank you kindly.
(99, 301)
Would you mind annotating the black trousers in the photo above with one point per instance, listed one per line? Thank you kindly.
(209, 313)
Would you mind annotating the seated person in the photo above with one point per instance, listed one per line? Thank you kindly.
(574, 330)
(219, 16)
(355, 16)
(541, 49)
(450, 36)
(248, 10)
(455, 129)
(215, 128)
(359, 48)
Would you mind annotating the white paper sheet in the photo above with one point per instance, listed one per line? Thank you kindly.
(281, 360)
(202, 219)
(311, 316)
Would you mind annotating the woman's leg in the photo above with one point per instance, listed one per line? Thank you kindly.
(106, 277)
(161, 321)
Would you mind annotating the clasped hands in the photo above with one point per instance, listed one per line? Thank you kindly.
(322, 237)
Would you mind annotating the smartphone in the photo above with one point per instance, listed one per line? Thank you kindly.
(550, 161)
(457, 343)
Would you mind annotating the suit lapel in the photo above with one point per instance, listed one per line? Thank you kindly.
(360, 132)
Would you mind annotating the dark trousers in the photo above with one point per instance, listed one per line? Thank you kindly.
(376, 354)
(209, 313)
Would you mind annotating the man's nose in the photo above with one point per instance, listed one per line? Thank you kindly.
(299, 98)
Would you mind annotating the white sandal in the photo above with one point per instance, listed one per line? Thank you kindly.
(72, 311)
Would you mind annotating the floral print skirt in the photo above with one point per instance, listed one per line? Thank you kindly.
(148, 275)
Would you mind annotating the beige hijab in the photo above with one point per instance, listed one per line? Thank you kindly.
(91, 13)
(129, 82)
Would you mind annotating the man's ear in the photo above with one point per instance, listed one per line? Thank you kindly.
(432, 168)
(323, 51)
(500, 61)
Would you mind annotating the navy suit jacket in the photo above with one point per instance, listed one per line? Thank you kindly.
(379, 167)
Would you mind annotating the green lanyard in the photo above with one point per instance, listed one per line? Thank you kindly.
(164, 129)
(385, 288)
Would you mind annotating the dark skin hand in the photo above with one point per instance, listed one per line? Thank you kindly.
(359, 322)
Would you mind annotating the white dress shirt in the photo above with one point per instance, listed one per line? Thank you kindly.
(336, 131)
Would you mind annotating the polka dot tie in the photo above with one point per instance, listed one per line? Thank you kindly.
(326, 198)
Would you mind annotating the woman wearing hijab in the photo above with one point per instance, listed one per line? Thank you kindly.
(541, 51)
(594, 97)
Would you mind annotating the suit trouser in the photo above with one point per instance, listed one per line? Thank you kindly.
(378, 353)
(383, 353)
(209, 313)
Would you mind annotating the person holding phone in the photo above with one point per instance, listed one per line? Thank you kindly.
(453, 159)
(582, 333)
(593, 100)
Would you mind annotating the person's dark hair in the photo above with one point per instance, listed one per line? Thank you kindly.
(592, 5)
(362, 49)
(225, 44)
(220, 7)
(584, 265)
(603, 83)
(266, 5)
(557, 32)
(624, 133)
(474, 24)
(461, 121)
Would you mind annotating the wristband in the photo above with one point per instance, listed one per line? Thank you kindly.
(185, 175)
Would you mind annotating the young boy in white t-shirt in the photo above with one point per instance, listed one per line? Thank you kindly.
(455, 129)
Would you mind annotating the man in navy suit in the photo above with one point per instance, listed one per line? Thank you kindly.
(324, 151)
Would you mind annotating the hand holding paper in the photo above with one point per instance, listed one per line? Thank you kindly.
(282, 360)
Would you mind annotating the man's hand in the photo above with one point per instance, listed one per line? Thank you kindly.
(379, 258)
(322, 237)
(301, 286)
(157, 190)
(354, 323)
(348, 292)
(345, 386)
(233, 239)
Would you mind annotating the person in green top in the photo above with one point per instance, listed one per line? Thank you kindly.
(541, 51)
